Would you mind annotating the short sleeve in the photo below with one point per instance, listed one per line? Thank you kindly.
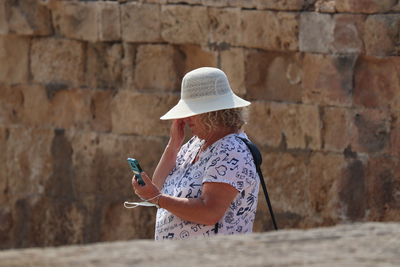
(232, 165)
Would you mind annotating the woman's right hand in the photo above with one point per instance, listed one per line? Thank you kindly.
(177, 133)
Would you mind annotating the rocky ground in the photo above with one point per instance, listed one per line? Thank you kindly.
(368, 244)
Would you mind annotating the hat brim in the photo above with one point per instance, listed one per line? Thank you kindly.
(187, 108)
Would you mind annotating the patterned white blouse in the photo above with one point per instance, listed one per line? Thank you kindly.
(228, 160)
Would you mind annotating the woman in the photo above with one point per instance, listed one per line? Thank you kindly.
(209, 185)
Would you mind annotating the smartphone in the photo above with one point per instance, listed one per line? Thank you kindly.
(136, 169)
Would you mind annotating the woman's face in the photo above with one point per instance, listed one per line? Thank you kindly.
(196, 126)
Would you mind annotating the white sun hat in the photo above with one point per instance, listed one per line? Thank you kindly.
(204, 90)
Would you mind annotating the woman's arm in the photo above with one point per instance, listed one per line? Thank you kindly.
(208, 209)
(168, 158)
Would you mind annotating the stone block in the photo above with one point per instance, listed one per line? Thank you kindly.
(328, 80)
(14, 58)
(337, 120)
(11, 104)
(326, 33)
(103, 65)
(127, 106)
(249, 4)
(76, 20)
(316, 32)
(361, 131)
(4, 135)
(225, 25)
(270, 30)
(128, 63)
(29, 161)
(89, 21)
(351, 190)
(394, 147)
(3, 18)
(158, 67)
(71, 108)
(366, 6)
(100, 110)
(37, 111)
(233, 64)
(377, 83)
(290, 126)
(194, 56)
(184, 24)
(381, 34)
(348, 34)
(281, 5)
(383, 188)
(108, 171)
(57, 61)
(109, 21)
(273, 76)
(141, 22)
(117, 223)
(325, 171)
(286, 175)
(325, 6)
(24, 17)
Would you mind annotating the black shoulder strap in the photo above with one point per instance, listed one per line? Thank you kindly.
(258, 160)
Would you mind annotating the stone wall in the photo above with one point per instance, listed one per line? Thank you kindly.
(83, 83)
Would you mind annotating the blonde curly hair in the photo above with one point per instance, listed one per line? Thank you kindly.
(233, 118)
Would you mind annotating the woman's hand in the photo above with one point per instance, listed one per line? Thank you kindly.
(177, 133)
(147, 191)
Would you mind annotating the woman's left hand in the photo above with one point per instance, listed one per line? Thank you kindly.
(147, 191)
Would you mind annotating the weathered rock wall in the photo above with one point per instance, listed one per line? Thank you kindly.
(83, 83)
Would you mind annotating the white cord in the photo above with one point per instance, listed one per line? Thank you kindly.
(145, 203)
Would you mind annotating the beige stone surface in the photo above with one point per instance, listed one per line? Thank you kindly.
(361, 130)
(328, 80)
(377, 82)
(395, 134)
(290, 126)
(109, 21)
(369, 244)
(158, 67)
(76, 20)
(11, 103)
(332, 34)
(14, 58)
(3, 18)
(337, 120)
(191, 57)
(366, 6)
(141, 22)
(280, 4)
(57, 61)
(89, 21)
(315, 32)
(380, 34)
(225, 25)
(182, 24)
(233, 64)
(275, 76)
(135, 113)
(28, 169)
(4, 135)
(383, 187)
(27, 17)
(270, 30)
(348, 34)
(104, 66)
